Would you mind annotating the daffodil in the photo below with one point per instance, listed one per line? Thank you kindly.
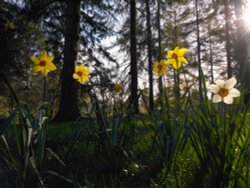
(184, 87)
(176, 57)
(81, 73)
(224, 91)
(160, 67)
(187, 86)
(43, 64)
(118, 88)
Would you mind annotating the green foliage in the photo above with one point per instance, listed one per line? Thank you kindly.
(220, 138)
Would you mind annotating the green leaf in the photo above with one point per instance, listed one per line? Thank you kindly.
(7, 122)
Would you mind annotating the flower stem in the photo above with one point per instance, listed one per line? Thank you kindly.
(44, 89)
(177, 90)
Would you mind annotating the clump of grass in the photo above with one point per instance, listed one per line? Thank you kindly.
(220, 139)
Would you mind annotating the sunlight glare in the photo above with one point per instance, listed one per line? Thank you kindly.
(246, 15)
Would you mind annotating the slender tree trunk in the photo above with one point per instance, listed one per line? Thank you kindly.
(133, 54)
(211, 55)
(198, 49)
(228, 44)
(159, 50)
(241, 46)
(176, 72)
(68, 109)
(150, 73)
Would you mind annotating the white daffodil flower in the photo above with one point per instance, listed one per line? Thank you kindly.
(224, 91)
(185, 86)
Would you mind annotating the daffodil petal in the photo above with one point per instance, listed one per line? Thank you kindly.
(220, 83)
(83, 79)
(229, 84)
(82, 66)
(182, 86)
(217, 98)
(75, 76)
(35, 60)
(163, 61)
(234, 92)
(51, 66)
(228, 99)
(155, 69)
(87, 70)
(182, 59)
(182, 92)
(175, 65)
(50, 58)
(164, 71)
(44, 72)
(86, 79)
(172, 61)
(80, 79)
(176, 50)
(169, 61)
(182, 51)
(43, 56)
(214, 88)
(36, 68)
(170, 53)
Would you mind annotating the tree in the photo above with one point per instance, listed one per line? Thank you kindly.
(133, 58)
(198, 47)
(150, 73)
(227, 37)
(68, 109)
(159, 50)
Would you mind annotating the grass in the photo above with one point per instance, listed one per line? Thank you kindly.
(158, 150)
(130, 164)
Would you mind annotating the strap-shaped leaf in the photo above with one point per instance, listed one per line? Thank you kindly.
(6, 122)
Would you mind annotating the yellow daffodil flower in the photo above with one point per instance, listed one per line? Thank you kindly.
(176, 57)
(43, 64)
(118, 88)
(160, 67)
(81, 73)
(224, 91)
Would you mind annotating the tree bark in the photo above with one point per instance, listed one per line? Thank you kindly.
(133, 54)
(211, 54)
(160, 85)
(198, 49)
(68, 109)
(150, 73)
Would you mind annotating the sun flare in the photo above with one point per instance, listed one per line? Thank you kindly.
(246, 14)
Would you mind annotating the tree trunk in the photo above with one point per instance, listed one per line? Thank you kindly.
(68, 109)
(198, 49)
(228, 44)
(150, 73)
(133, 54)
(211, 54)
(160, 86)
(241, 46)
